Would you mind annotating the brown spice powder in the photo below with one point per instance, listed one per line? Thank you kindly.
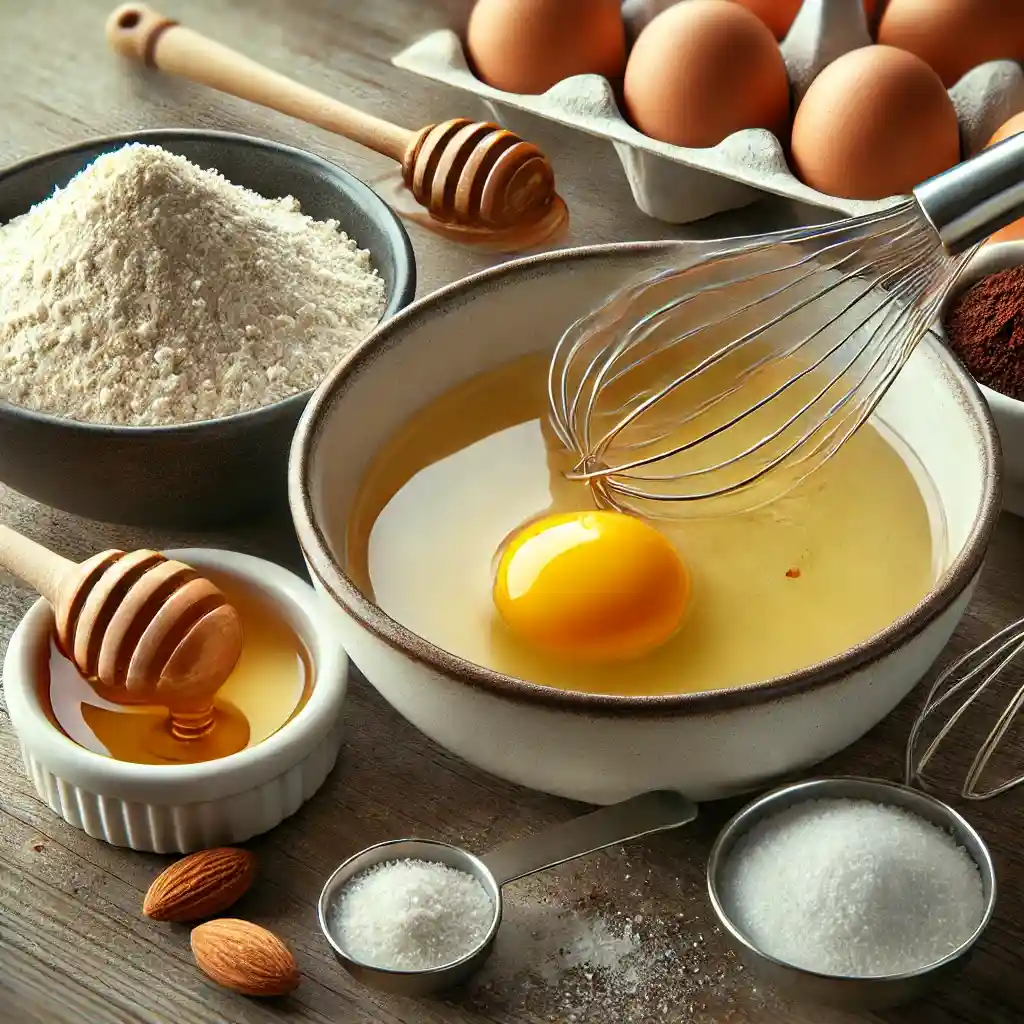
(985, 327)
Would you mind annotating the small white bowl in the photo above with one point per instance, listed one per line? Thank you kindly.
(181, 808)
(1007, 412)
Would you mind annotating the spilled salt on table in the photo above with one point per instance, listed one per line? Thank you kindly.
(590, 943)
(411, 915)
(853, 888)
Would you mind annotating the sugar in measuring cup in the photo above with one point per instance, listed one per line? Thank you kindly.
(449, 901)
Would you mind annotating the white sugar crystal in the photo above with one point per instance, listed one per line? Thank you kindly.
(411, 915)
(853, 888)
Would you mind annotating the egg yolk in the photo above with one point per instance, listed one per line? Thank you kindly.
(591, 586)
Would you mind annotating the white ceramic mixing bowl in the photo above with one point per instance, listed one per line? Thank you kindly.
(605, 748)
(180, 808)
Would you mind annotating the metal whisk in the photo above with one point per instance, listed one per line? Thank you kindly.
(960, 690)
(738, 371)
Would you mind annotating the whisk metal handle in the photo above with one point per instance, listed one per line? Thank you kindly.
(976, 198)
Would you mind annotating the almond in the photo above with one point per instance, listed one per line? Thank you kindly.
(200, 885)
(244, 957)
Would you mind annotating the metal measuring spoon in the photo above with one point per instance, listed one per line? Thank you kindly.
(609, 826)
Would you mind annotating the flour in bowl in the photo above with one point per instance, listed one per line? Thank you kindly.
(150, 292)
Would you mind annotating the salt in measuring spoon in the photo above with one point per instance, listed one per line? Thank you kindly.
(642, 815)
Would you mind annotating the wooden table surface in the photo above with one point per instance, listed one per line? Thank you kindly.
(73, 945)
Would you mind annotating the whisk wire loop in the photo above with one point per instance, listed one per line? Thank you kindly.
(736, 374)
(601, 446)
(643, 328)
(969, 679)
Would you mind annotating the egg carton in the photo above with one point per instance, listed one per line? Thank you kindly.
(677, 184)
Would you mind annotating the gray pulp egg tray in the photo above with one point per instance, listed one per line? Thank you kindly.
(677, 184)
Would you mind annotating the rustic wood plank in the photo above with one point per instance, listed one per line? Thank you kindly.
(73, 944)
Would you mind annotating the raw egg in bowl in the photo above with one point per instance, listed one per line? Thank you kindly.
(591, 654)
(592, 586)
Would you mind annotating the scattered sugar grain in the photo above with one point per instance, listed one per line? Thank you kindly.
(562, 956)
(411, 915)
(853, 888)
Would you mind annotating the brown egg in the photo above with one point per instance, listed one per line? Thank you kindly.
(704, 69)
(1012, 232)
(778, 15)
(953, 36)
(529, 45)
(875, 123)
(1012, 127)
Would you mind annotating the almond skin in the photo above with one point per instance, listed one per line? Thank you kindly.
(200, 885)
(244, 957)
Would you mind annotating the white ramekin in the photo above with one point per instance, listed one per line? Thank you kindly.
(180, 808)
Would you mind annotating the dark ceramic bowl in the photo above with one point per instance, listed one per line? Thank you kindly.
(210, 472)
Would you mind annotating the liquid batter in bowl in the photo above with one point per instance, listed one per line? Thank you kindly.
(840, 557)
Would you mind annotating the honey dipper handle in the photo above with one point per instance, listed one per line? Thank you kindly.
(44, 570)
(138, 32)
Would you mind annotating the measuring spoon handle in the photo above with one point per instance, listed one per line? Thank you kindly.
(650, 812)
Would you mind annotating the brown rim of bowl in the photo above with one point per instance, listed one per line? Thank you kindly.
(336, 582)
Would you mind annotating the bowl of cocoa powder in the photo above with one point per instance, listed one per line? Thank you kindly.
(983, 323)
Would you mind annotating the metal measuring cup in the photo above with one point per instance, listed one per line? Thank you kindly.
(875, 992)
(642, 815)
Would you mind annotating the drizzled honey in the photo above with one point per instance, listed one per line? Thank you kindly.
(268, 687)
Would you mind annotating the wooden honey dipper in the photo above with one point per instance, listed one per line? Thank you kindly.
(465, 172)
(141, 628)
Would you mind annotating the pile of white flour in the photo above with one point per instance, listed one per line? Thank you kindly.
(150, 292)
